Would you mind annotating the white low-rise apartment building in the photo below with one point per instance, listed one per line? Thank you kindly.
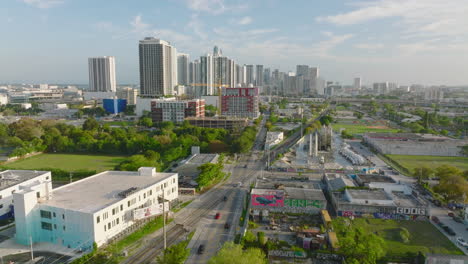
(94, 209)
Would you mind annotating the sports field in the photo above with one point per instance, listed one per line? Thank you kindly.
(411, 162)
(68, 162)
(362, 128)
(423, 237)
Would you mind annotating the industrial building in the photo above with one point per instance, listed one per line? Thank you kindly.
(91, 210)
(176, 110)
(12, 181)
(240, 102)
(236, 125)
(335, 181)
(414, 144)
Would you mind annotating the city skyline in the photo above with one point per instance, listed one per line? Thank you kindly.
(405, 42)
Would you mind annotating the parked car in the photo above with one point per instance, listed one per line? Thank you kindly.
(201, 249)
(449, 231)
(225, 198)
(450, 213)
(435, 219)
(457, 219)
(217, 215)
(245, 166)
(227, 225)
(462, 242)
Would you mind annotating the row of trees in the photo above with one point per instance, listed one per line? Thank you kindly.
(210, 172)
(161, 146)
(453, 183)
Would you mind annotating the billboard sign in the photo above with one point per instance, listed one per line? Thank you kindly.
(155, 209)
(271, 198)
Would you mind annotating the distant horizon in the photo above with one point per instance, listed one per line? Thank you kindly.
(409, 42)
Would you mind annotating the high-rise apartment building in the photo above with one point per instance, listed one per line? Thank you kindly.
(249, 75)
(102, 74)
(357, 83)
(240, 75)
(205, 87)
(314, 80)
(158, 67)
(240, 102)
(182, 69)
(259, 75)
(194, 72)
(223, 71)
(267, 76)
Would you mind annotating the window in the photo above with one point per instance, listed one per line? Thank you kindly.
(144, 196)
(113, 211)
(109, 226)
(1, 196)
(121, 207)
(47, 177)
(150, 193)
(63, 216)
(128, 203)
(54, 214)
(117, 220)
(64, 228)
(46, 226)
(98, 219)
(46, 214)
(1, 206)
(38, 194)
(55, 226)
(105, 228)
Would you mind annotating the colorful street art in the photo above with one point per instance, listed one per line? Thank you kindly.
(303, 203)
(273, 198)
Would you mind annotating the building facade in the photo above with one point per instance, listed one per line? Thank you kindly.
(183, 69)
(158, 67)
(102, 74)
(176, 110)
(249, 75)
(240, 102)
(128, 93)
(92, 210)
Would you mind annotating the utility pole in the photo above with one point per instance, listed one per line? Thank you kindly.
(32, 253)
(164, 219)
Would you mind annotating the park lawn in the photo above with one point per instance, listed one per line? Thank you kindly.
(67, 162)
(410, 162)
(424, 237)
(361, 129)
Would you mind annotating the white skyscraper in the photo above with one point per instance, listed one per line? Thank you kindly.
(357, 83)
(183, 68)
(314, 80)
(158, 67)
(102, 74)
(240, 75)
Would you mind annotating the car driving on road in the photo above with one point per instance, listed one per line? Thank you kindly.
(201, 249)
(462, 242)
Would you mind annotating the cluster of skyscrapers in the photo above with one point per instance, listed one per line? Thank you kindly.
(164, 71)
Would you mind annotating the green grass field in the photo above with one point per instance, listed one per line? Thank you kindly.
(424, 237)
(411, 162)
(68, 162)
(361, 129)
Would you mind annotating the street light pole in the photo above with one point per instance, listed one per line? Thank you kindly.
(164, 219)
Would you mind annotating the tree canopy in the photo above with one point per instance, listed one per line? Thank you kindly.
(232, 253)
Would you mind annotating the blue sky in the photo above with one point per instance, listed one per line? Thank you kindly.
(406, 41)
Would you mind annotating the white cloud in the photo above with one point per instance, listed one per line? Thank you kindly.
(214, 7)
(196, 26)
(369, 46)
(43, 3)
(142, 29)
(245, 20)
(417, 17)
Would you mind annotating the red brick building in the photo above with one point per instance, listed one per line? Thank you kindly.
(176, 110)
(240, 102)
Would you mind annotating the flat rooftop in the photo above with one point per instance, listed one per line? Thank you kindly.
(374, 194)
(11, 178)
(101, 190)
(367, 178)
(203, 158)
(304, 194)
(404, 200)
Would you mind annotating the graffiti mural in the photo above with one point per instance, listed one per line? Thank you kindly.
(303, 203)
(273, 198)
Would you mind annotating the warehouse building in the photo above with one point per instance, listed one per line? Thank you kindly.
(12, 181)
(94, 209)
(414, 144)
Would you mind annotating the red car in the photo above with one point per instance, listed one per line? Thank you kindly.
(435, 219)
(451, 214)
(217, 215)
